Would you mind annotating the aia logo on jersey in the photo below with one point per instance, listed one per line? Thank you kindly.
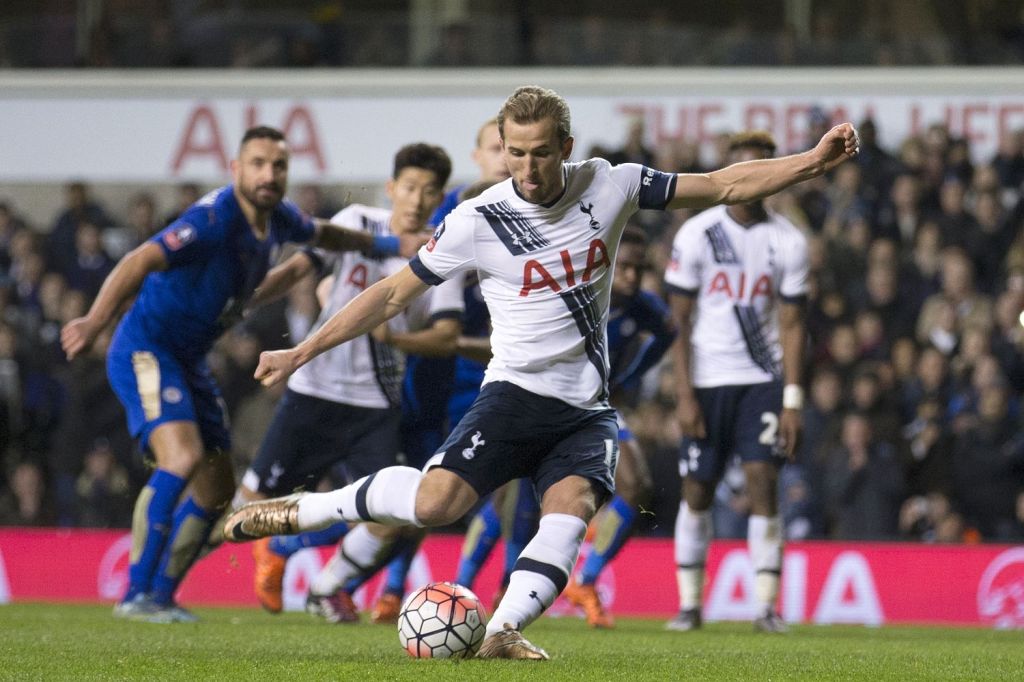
(437, 235)
(736, 287)
(589, 211)
(179, 237)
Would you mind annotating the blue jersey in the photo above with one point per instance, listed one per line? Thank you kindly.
(157, 359)
(214, 264)
(639, 334)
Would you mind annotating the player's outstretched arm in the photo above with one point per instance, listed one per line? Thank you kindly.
(281, 279)
(752, 180)
(376, 305)
(122, 283)
(436, 341)
(339, 238)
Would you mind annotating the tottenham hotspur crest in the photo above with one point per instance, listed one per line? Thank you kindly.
(477, 439)
(589, 211)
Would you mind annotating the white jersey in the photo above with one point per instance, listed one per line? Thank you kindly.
(737, 274)
(364, 372)
(545, 273)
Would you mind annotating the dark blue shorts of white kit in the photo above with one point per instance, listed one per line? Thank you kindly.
(739, 421)
(308, 436)
(511, 433)
(155, 386)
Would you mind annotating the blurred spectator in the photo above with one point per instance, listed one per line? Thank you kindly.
(91, 264)
(899, 216)
(956, 306)
(188, 193)
(929, 451)
(988, 467)
(25, 504)
(103, 490)
(863, 484)
(930, 382)
(633, 150)
(1009, 160)
(80, 208)
(311, 199)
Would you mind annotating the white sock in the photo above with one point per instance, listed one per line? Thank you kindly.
(764, 542)
(357, 553)
(693, 533)
(541, 572)
(388, 497)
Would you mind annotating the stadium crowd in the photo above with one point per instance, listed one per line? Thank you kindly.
(370, 33)
(912, 429)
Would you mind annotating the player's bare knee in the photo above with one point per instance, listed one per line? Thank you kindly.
(698, 495)
(573, 495)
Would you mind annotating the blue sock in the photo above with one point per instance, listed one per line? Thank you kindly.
(612, 533)
(398, 570)
(192, 526)
(286, 545)
(524, 525)
(151, 524)
(484, 531)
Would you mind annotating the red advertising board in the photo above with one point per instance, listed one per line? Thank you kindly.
(823, 582)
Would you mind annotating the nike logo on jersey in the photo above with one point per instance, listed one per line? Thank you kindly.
(589, 211)
(477, 439)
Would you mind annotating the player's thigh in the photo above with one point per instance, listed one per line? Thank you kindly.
(443, 497)
(373, 440)
(176, 447)
(589, 452)
(493, 443)
(153, 387)
(305, 438)
(757, 423)
(702, 461)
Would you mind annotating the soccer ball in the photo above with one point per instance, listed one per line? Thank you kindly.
(441, 620)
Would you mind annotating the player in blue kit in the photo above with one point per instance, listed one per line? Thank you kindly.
(190, 282)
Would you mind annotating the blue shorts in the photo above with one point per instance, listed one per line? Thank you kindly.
(511, 433)
(157, 387)
(308, 436)
(739, 421)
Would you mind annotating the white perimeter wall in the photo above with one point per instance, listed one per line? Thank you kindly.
(159, 127)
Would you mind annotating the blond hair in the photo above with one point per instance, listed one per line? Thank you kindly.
(532, 103)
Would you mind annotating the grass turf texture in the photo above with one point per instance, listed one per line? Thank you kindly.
(51, 641)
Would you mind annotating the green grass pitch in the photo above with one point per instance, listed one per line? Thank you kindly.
(63, 642)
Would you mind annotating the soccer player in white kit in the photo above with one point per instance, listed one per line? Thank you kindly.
(738, 282)
(543, 243)
(344, 405)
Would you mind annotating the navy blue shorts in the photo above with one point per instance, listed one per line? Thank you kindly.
(155, 386)
(309, 436)
(511, 433)
(739, 421)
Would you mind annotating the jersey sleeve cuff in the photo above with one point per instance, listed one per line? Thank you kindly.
(682, 291)
(798, 299)
(424, 273)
